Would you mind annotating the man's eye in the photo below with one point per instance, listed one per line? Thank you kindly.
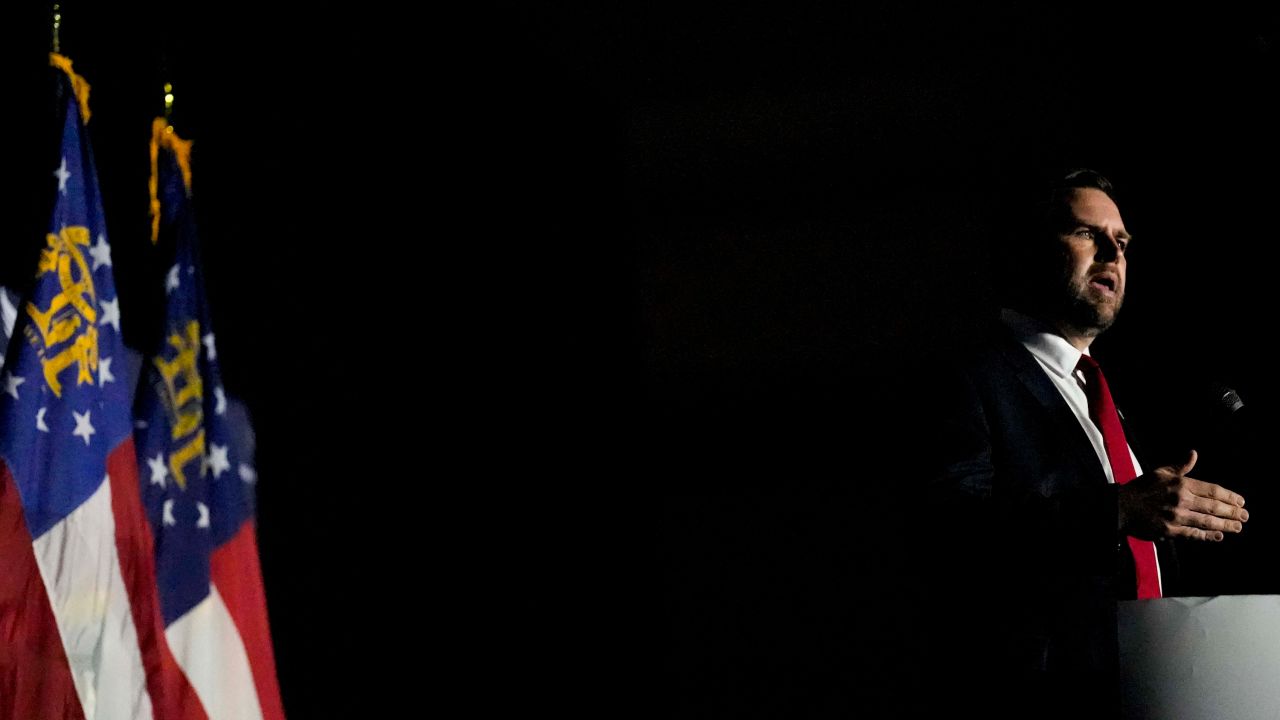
(1084, 233)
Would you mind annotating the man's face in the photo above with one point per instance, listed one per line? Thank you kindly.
(1093, 242)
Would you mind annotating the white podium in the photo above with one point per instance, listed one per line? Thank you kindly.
(1214, 658)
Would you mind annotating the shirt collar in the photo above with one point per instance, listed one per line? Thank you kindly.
(1043, 342)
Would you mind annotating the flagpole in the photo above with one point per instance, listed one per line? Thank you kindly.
(57, 25)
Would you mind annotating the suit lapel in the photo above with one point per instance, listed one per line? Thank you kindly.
(1034, 379)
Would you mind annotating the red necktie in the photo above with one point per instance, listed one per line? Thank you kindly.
(1102, 409)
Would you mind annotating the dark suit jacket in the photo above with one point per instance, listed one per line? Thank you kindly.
(1023, 527)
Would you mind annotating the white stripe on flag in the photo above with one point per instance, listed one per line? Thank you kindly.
(8, 316)
(81, 570)
(209, 650)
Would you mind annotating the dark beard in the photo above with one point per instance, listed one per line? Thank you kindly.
(1089, 317)
(1086, 316)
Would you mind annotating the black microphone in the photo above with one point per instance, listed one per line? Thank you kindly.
(1230, 419)
(1226, 399)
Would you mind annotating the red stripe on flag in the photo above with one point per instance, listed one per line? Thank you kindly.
(35, 678)
(236, 574)
(171, 694)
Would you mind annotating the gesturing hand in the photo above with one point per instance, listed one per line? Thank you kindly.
(1168, 503)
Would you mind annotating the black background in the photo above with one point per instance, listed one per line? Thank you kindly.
(660, 258)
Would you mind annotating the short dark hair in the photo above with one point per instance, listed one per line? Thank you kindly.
(1049, 212)
(1035, 219)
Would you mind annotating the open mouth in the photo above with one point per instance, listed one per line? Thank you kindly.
(1105, 283)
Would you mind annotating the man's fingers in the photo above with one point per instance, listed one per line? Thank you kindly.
(1190, 463)
(1209, 506)
(1188, 518)
(1215, 492)
(1195, 533)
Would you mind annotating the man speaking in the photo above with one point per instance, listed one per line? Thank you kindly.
(1042, 516)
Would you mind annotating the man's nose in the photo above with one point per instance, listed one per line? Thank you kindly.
(1108, 247)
